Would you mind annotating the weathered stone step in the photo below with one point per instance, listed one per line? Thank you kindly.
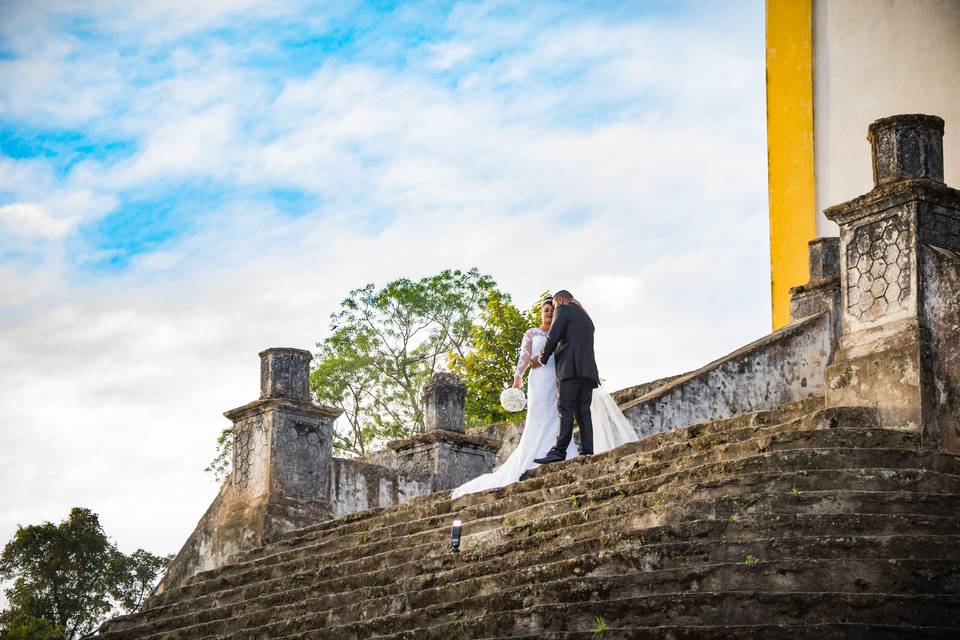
(528, 567)
(684, 566)
(597, 467)
(645, 480)
(732, 430)
(652, 509)
(869, 441)
(758, 419)
(703, 471)
(836, 631)
(787, 413)
(855, 576)
(518, 494)
(665, 517)
(886, 479)
(576, 540)
(692, 439)
(518, 612)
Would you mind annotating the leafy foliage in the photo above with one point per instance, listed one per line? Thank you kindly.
(68, 577)
(490, 365)
(137, 576)
(17, 625)
(600, 628)
(385, 345)
(223, 462)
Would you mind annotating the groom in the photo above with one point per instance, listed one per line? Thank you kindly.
(571, 335)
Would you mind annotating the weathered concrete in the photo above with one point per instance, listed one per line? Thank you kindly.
(786, 366)
(285, 373)
(907, 147)
(448, 457)
(822, 292)
(443, 403)
(900, 270)
(940, 275)
(358, 486)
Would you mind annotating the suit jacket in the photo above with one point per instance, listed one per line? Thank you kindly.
(571, 336)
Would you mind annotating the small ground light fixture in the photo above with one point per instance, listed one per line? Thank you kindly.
(455, 536)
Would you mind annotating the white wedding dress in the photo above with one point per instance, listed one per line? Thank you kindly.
(610, 428)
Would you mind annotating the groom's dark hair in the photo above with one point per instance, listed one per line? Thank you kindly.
(563, 294)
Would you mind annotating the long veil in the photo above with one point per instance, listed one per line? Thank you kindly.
(611, 428)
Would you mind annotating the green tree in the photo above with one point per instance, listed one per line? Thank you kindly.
(346, 378)
(137, 576)
(488, 368)
(71, 576)
(385, 345)
(16, 625)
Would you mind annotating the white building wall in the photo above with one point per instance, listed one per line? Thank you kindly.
(872, 59)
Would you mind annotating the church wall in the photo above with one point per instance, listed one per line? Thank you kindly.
(873, 58)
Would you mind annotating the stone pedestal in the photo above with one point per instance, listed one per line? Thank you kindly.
(443, 404)
(282, 452)
(282, 465)
(900, 286)
(445, 451)
(822, 292)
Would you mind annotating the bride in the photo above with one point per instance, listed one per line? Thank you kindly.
(610, 428)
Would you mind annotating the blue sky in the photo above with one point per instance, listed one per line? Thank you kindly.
(183, 184)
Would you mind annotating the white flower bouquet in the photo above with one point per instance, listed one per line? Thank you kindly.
(512, 399)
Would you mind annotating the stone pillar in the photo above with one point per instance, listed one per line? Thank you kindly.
(900, 286)
(445, 451)
(822, 292)
(285, 373)
(282, 463)
(282, 450)
(443, 404)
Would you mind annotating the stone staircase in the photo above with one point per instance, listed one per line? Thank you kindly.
(800, 522)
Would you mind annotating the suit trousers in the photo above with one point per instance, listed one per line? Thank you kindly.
(574, 401)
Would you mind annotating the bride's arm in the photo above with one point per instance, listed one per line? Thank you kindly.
(526, 355)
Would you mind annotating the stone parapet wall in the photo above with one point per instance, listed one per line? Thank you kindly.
(358, 486)
(786, 366)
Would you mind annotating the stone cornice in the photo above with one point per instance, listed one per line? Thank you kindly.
(891, 195)
(816, 285)
(449, 437)
(266, 404)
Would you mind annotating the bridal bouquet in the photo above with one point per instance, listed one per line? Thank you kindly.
(512, 399)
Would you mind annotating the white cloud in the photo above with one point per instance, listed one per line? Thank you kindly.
(445, 55)
(29, 219)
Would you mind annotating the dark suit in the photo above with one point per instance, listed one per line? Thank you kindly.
(571, 337)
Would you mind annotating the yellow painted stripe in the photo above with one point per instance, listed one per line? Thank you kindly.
(789, 147)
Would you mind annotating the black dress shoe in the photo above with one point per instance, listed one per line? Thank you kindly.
(586, 453)
(552, 456)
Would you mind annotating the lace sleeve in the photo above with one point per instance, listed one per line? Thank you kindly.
(526, 353)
